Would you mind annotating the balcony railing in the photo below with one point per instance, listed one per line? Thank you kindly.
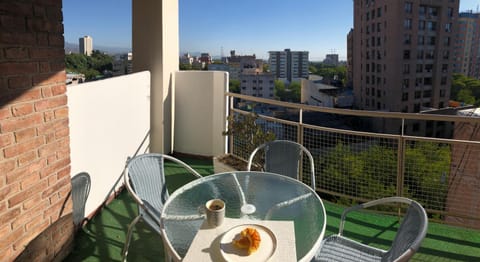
(428, 157)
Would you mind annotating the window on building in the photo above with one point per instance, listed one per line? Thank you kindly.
(432, 11)
(421, 24)
(405, 96)
(406, 83)
(408, 7)
(430, 54)
(427, 93)
(446, 41)
(420, 54)
(448, 27)
(379, 93)
(407, 23)
(431, 26)
(406, 54)
(427, 81)
(407, 39)
(379, 12)
(422, 10)
(416, 108)
(379, 25)
(379, 41)
(446, 54)
(429, 68)
(431, 40)
(442, 92)
(443, 80)
(444, 68)
(419, 68)
(450, 12)
(418, 94)
(421, 40)
(418, 81)
(406, 69)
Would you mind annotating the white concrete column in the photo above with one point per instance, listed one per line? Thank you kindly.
(155, 47)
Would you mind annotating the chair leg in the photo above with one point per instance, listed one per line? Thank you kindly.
(129, 236)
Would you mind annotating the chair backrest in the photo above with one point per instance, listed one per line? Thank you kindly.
(80, 191)
(410, 234)
(145, 181)
(283, 157)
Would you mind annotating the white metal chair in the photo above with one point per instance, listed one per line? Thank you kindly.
(408, 239)
(283, 157)
(145, 181)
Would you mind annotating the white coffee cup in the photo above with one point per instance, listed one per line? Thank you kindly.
(215, 211)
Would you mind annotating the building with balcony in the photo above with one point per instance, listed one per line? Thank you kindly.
(288, 65)
(403, 67)
(467, 45)
(85, 45)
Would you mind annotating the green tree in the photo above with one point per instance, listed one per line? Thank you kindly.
(234, 86)
(91, 66)
(466, 96)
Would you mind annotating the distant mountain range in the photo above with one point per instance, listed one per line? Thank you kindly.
(73, 48)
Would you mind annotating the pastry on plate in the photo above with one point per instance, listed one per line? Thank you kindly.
(249, 240)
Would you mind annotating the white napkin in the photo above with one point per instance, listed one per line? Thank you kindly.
(206, 243)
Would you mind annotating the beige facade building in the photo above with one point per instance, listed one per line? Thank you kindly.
(257, 84)
(85, 45)
(403, 54)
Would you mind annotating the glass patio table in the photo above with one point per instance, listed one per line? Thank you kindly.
(247, 194)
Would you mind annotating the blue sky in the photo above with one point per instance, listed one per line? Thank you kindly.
(248, 26)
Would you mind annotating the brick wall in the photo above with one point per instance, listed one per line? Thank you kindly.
(34, 134)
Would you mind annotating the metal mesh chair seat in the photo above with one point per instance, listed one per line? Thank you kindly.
(410, 234)
(283, 157)
(145, 181)
(337, 248)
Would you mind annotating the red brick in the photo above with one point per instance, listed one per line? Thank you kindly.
(17, 68)
(16, 124)
(46, 92)
(50, 103)
(38, 221)
(57, 66)
(47, 52)
(48, 116)
(16, 52)
(18, 174)
(42, 39)
(30, 95)
(7, 218)
(25, 134)
(59, 90)
(34, 202)
(21, 220)
(44, 130)
(3, 207)
(6, 140)
(7, 166)
(21, 148)
(22, 109)
(61, 113)
(49, 78)
(39, 10)
(64, 172)
(17, 38)
(16, 8)
(26, 194)
(29, 180)
(42, 25)
(56, 187)
(63, 153)
(5, 113)
(27, 158)
(56, 40)
(44, 67)
(62, 132)
(11, 238)
(8, 191)
(20, 82)
(54, 167)
(12, 23)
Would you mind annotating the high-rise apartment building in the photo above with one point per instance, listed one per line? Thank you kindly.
(467, 45)
(403, 54)
(288, 65)
(85, 44)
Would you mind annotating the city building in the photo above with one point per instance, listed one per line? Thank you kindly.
(331, 59)
(349, 83)
(257, 84)
(315, 92)
(122, 64)
(85, 45)
(467, 45)
(205, 58)
(288, 65)
(403, 66)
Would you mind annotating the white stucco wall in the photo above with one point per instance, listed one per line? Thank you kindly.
(200, 112)
(109, 119)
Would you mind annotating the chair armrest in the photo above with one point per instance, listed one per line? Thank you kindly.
(369, 204)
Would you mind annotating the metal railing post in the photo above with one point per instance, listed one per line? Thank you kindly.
(401, 160)
(300, 140)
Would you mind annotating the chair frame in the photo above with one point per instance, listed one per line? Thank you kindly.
(302, 148)
(407, 254)
(142, 204)
(79, 207)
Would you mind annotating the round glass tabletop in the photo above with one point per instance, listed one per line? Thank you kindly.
(247, 194)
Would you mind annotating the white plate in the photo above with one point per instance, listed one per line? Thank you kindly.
(230, 253)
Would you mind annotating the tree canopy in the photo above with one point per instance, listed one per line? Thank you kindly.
(91, 66)
(465, 89)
